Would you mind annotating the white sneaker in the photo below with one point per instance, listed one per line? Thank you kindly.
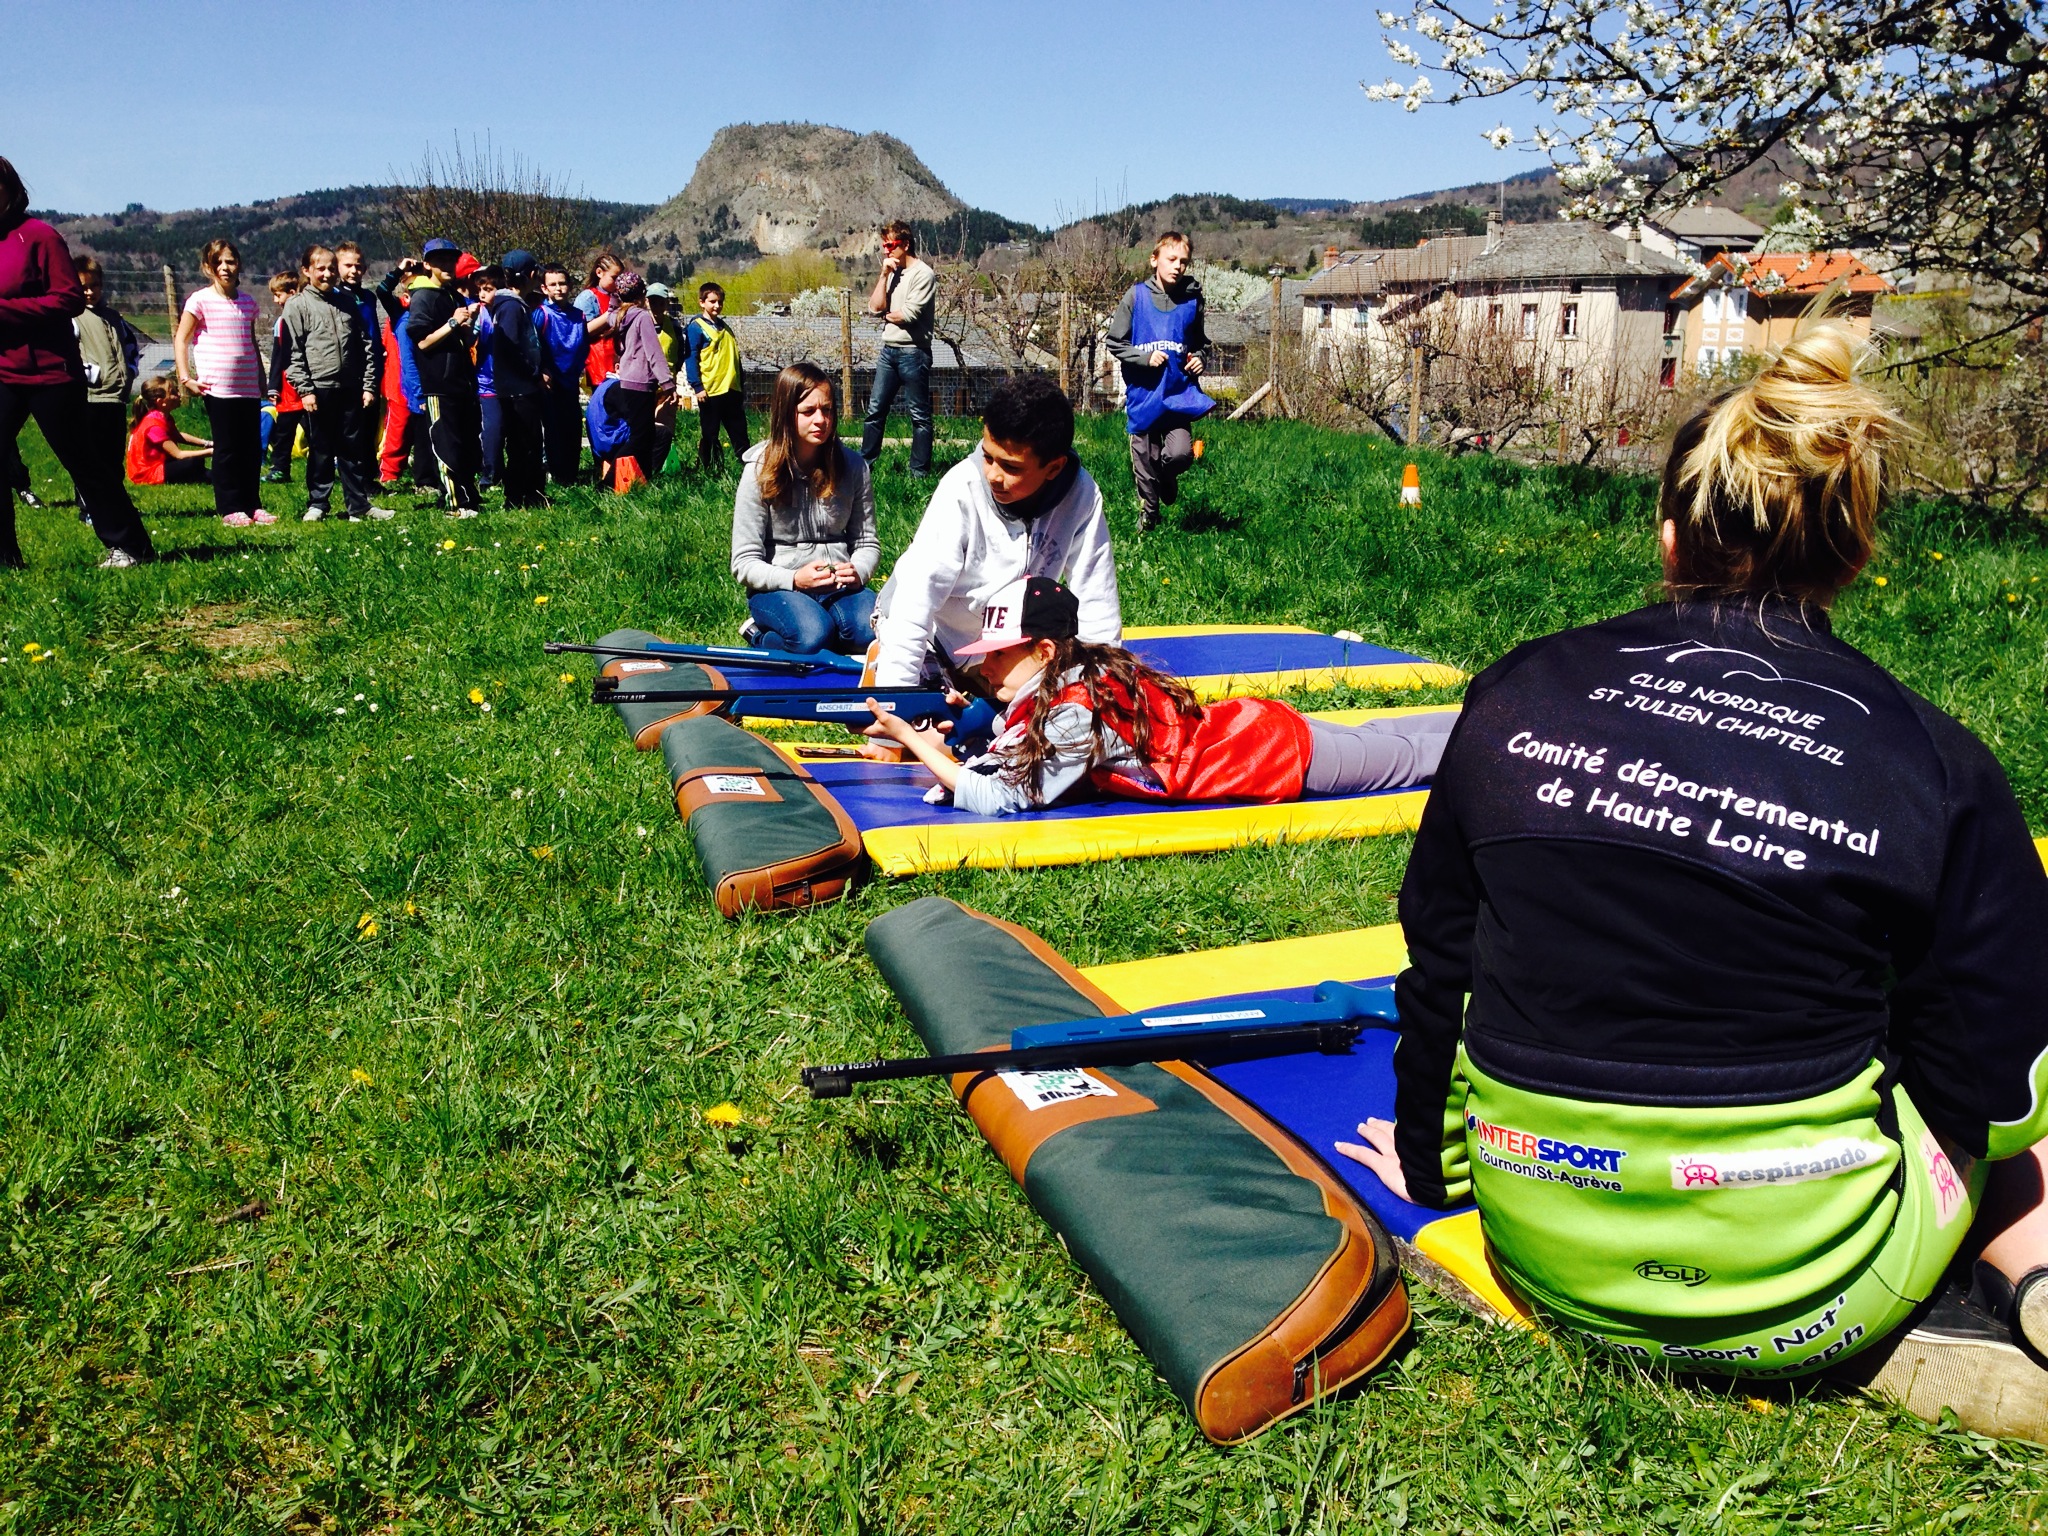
(382, 514)
(118, 560)
(750, 632)
(458, 513)
(312, 514)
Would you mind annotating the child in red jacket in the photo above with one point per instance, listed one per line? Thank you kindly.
(1078, 715)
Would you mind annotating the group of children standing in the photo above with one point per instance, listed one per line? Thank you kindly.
(463, 374)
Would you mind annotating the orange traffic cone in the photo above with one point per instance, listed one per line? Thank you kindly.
(625, 474)
(1411, 487)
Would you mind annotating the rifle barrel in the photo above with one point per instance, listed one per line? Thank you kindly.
(1331, 1037)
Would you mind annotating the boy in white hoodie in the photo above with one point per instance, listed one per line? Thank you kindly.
(1019, 505)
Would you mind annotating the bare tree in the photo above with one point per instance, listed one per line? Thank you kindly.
(488, 204)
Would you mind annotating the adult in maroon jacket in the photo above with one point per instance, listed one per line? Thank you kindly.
(41, 376)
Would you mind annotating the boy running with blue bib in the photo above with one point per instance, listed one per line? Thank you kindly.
(1158, 336)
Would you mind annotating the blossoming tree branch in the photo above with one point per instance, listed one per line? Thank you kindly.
(1921, 125)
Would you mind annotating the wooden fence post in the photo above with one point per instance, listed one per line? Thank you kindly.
(170, 295)
(1273, 352)
(846, 406)
(1066, 345)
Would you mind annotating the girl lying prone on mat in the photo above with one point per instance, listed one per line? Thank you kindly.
(1076, 714)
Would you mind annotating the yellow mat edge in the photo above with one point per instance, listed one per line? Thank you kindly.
(1391, 674)
(1185, 631)
(1021, 842)
(1356, 954)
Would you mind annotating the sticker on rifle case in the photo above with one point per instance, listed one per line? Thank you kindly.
(733, 784)
(627, 668)
(857, 708)
(1041, 1090)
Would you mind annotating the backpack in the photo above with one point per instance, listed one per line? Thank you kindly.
(608, 431)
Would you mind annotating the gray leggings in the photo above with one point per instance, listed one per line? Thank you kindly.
(1351, 759)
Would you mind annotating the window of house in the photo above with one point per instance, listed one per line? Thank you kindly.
(1496, 314)
(1670, 319)
(1568, 320)
(1710, 307)
(1528, 319)
(1362, 313)
(1708, 358)
(1667, 373)
(1566, 377)
(1736, 306)
(1325, 311)
(1730, 354)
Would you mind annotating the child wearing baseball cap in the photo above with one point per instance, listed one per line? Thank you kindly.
(1079, 716)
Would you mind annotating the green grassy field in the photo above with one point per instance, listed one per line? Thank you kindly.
(357, 1043)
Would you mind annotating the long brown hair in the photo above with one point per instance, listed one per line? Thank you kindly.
(155, 393)
(1774, 486)
(778, 468)
(13, 195)
(1113, 680)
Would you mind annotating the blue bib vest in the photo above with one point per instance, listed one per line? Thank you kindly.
(1174, 393)
(609, 433)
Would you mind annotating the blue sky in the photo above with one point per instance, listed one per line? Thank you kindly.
(1039, 111)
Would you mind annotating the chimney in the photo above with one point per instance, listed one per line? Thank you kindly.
(1329, 257)
(1635, 245)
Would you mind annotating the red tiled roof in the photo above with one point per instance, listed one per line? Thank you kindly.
(1796, 272)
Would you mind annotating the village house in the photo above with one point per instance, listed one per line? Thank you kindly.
(1588, 300)
(1742, 305)
(1699, 233)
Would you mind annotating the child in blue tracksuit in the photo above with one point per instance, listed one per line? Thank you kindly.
(1158, 336)
(564, 334)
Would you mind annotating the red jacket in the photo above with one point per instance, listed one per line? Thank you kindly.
(39, 294)
(1239, 749)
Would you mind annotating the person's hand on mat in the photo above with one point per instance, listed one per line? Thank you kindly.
(1378, 1154)
(1156, 360)
(817, 575)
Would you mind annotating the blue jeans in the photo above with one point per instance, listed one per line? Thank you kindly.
(797, 621)
(907, 369)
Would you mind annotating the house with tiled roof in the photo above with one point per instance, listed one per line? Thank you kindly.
(1699, 233)
(1741, 305)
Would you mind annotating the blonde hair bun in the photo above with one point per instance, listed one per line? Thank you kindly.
(1776, 484)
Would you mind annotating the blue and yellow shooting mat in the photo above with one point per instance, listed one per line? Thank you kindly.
(1321, 1099)
(1218, 660)
(905, 836)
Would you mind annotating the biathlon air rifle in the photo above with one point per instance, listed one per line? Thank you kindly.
(737, 656)
(1330, 1022)
(822, 706)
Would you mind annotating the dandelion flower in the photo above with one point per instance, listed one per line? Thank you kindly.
(723, 1114)
(31, 648)
(42, 656)
(540, 546)
(544, 851)
(1883, 581)
(568, 677)
(476, 695)
(541, 601)
(2012, 597)
(1936, 554)
(358, 1075)
(447, 543)
(411, 910)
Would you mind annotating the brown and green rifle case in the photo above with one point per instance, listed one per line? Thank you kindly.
(1250, 1276)
(766, 833)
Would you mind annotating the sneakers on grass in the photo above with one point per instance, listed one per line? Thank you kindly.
(236, 520)
(380, 514)
(118, 560)
(750, 632)
(312, 514)
(1958, 1356)
(262, 517)
(459, 513)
